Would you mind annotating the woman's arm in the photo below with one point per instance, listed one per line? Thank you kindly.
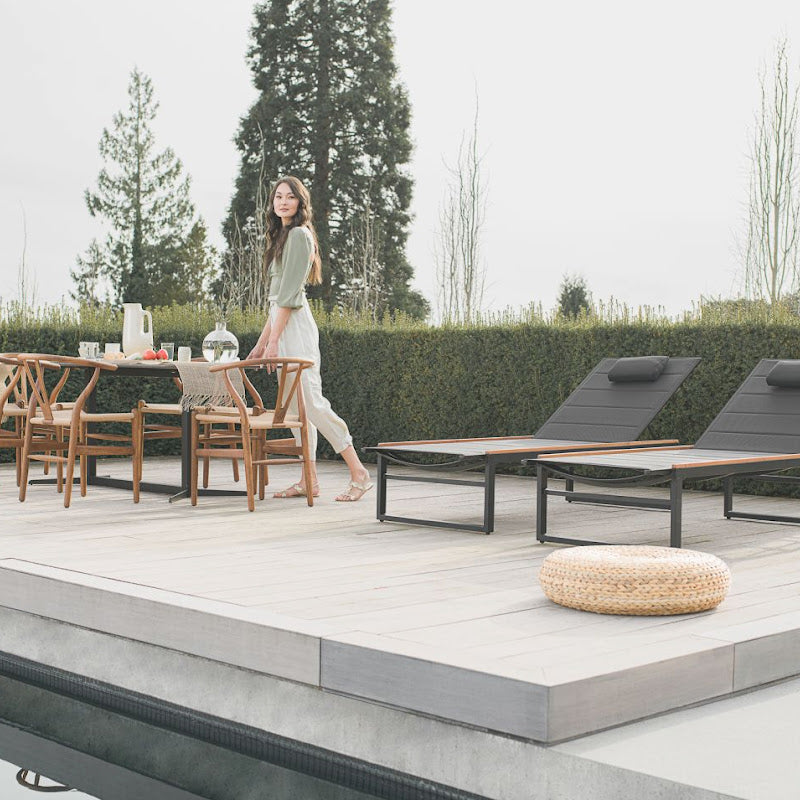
(260, 348)
(281, 318)
(288, 293)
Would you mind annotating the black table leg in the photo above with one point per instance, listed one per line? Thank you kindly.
(186, 456)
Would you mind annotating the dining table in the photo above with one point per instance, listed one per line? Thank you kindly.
(178, 491)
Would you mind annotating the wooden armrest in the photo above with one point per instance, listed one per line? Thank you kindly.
(255, 363)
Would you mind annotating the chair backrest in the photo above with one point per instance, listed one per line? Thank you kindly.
(34, 366)
(289, 384)
(10, 378)
(759, 417)
(603, 410)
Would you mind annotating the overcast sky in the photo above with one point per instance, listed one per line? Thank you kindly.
(616, 134)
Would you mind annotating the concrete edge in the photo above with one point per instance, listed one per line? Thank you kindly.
(262, 642)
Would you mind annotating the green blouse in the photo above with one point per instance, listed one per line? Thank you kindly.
(288, 276)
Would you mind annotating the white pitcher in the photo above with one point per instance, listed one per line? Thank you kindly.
(135, 339)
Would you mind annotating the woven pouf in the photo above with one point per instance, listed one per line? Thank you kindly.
(632, 579)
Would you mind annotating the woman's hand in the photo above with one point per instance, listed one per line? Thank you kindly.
(258, 351)
(270, 351)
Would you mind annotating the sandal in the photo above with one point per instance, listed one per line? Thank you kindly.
(355, 490)
(296, 490)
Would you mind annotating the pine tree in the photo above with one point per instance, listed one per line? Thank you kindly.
(156, 251)
(332, 112)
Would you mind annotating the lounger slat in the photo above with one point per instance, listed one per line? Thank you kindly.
(770, 443)
(758, 417)
(760, 424)
(602, 433)
(752, 403)
(606, 408)
(661, 460)
(481, 447)
(602, 411)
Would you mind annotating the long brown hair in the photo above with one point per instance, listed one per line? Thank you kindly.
(277, 233)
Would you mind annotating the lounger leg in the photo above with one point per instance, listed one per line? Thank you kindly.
(381, 486)
(488, 496)
(569, 485)
(727, 486)
(675, 509)
(541, 502)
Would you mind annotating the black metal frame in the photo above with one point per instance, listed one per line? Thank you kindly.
(487, 463)
(489, 468)
(176, 492)
(675, 478)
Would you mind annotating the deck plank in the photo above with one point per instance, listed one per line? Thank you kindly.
(401, 596)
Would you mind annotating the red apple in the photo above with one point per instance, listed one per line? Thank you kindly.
(149, 355)
(162, 355)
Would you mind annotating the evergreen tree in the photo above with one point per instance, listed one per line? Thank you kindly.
(156, 251)
(332, 112)
(574, 298)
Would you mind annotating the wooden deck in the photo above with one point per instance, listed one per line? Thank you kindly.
(311, 616)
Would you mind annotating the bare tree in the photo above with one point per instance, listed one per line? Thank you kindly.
(363, 290)
(460, 270)
(26, 282)
(771, 255)
(243, 281)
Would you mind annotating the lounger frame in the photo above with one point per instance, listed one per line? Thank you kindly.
(596, 427)
(774, 425)
(675, 477)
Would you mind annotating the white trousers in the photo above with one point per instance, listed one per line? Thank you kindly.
(300, 339)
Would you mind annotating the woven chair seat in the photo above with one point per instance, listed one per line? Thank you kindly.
(161, 408)
(226, 410)
(63, 419)
(13, 410)
(633, 579)
(263, 421)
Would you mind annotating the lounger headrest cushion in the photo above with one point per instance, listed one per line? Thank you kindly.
(786, 374)
(643, 368)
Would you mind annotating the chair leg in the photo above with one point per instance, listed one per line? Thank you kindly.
(262, 468)
(59, 464)
(137, 447)
(194, 456)
(75, 437)
(234, 461)
(84, 461)
(264, 454)
(247, 454)
(18, 450)
(307, 465)
(141, 446)
(206, 461)
(26, 451)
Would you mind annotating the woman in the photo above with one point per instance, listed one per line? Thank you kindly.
(293, 258)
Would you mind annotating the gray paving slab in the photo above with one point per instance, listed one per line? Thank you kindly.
(743, 747)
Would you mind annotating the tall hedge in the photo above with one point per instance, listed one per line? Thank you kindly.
(403, 381)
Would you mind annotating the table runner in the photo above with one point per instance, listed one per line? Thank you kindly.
(201, 387)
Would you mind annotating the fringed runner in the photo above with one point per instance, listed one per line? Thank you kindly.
(201, 387)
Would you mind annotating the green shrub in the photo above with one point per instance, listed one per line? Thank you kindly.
(399, 379)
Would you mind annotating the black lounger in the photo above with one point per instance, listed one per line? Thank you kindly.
(756, 433)
(611, 407)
